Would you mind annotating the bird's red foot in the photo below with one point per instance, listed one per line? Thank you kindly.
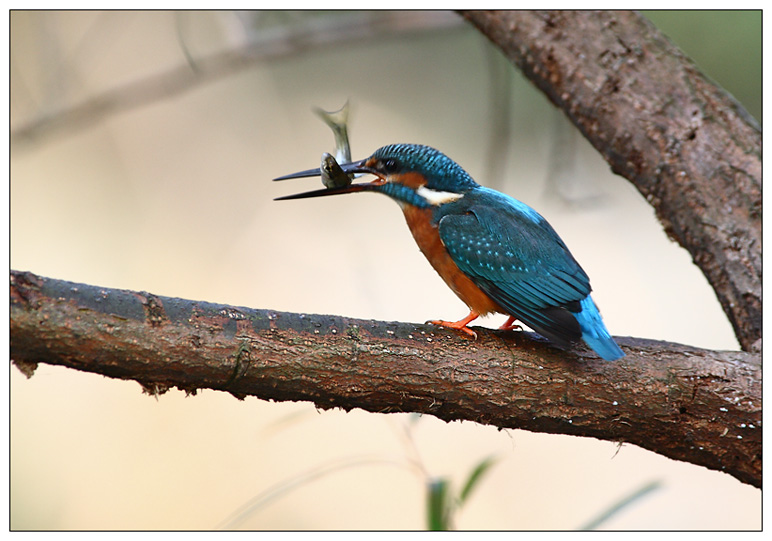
(510, 325)
(459, 325)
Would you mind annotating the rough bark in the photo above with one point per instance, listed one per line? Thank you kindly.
(689, 147)
(689, 404)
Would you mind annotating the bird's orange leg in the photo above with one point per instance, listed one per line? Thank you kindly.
(510, 325)
(459, 325)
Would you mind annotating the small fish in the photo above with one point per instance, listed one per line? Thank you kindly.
(338, 123)
(332, 174)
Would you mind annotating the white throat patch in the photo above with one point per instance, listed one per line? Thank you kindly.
(438, 198)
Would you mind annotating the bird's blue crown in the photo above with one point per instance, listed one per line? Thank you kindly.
(441, 173)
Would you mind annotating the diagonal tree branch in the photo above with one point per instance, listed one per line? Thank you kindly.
(689, 404)
(690, 148)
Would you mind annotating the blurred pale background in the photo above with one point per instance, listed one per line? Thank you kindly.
(175, 197)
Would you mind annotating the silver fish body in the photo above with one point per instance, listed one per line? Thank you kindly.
(332, 174)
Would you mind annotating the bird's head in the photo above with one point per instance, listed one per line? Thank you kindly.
(414, 175)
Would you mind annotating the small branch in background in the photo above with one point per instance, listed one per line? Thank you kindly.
(689, 404)
(249, 509)
(298, 33)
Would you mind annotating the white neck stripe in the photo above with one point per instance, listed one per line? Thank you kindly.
(437, 198)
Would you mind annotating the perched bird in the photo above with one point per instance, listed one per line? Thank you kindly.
(495, 252)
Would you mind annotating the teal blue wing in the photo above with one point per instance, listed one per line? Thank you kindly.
(513, 255)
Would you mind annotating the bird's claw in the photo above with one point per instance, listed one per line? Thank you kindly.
(510, 325)
(456, 325)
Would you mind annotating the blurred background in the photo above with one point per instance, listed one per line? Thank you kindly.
(143, 145)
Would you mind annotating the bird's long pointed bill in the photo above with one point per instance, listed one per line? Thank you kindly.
(354, 167)
(329, 191)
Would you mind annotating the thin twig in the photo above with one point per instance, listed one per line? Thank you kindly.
(268, 44)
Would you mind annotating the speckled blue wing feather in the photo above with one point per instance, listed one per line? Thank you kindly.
(513, 254)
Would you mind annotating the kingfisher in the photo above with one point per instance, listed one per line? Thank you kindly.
(496, 253)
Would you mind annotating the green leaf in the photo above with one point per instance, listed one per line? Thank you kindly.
(475, 477)
(438, 505)
(622, 504)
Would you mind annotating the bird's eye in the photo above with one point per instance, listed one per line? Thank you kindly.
(389, 165)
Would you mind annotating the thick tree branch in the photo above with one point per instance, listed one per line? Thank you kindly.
(689, 147)
(699, 406)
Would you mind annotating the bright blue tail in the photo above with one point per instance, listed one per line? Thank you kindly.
(594, 332)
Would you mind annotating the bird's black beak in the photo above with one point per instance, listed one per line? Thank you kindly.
(348, 168)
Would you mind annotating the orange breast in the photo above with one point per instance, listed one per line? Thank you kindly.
(428, 239)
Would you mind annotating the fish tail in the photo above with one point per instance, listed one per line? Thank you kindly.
(338, 122)
(335, 118)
